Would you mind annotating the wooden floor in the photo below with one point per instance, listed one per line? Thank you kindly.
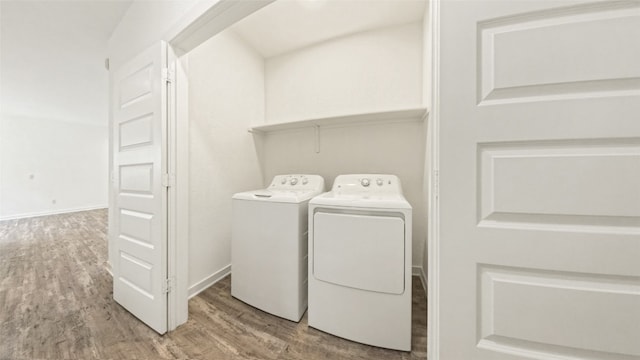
(56, 303)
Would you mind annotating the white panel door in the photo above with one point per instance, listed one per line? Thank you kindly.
(139, 158)
(539, 172)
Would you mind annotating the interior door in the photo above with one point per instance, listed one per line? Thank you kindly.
(539, 131)
(140, 216)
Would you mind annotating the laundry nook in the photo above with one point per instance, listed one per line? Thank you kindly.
(294, 100)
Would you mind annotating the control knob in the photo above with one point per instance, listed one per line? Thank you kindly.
(364, 182)
(293, 181)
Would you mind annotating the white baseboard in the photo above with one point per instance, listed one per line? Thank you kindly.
(107, 266)
(419, 271)
(203, 284)
(51, 212)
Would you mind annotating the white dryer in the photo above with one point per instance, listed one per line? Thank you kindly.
(269, 245)
(360, 260)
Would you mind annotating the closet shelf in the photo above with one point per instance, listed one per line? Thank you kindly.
(404, 115)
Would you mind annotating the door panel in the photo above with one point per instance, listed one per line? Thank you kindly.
(539, 166)
(139, 113)
(525, 57)
(512, 192)
(536, 307)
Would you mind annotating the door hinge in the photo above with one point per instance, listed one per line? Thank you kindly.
(168, 75)
(167, 286)
(168, 180)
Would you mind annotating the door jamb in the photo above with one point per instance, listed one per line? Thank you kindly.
(177, 232)
(197, 26)
(433, 221)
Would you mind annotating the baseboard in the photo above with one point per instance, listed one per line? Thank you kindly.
(203, 284)
(52, 212)
(419, 271)
(107, 267)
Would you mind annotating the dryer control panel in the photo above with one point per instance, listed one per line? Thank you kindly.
(367, 183)
(297, 182)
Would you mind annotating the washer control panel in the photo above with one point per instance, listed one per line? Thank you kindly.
(297, 182)
(367, 183)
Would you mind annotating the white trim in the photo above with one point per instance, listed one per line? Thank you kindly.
(179, 205)
(207, 19)
(433, 238)
(377, 117)
(205, 283)
(107, 267)
(177, 306)
(52, 212)
(419, 272)
(201, 22)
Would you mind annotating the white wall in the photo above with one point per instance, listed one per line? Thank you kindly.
(50, 166)
(382, 148)
(226, 95)
(53, 105)
(370, 71)
(144, 24)
(147, 22)
(52, 58)
(227, 82)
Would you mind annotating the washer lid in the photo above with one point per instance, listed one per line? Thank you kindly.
(292, 188)
(279, 196)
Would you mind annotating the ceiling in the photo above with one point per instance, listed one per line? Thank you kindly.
(286, 25)
(52, 52)
(52, 58)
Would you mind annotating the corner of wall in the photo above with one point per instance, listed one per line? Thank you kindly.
(419, 272)
(209, 281)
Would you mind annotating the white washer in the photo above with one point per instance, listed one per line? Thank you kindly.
(269, 245)
(360, 259)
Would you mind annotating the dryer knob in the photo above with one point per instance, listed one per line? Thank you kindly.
(364, 182)
(283, 181)
(293, 181)
(379, 182)
(304, 181)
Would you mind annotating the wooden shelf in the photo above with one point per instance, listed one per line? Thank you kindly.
(403, 115)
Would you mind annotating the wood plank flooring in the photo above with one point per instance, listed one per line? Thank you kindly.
(56, 303)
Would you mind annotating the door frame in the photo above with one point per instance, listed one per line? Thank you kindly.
(433, 205)
(177, 232)
(201, 23)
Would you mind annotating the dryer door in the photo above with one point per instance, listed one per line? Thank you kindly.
(359, 251)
